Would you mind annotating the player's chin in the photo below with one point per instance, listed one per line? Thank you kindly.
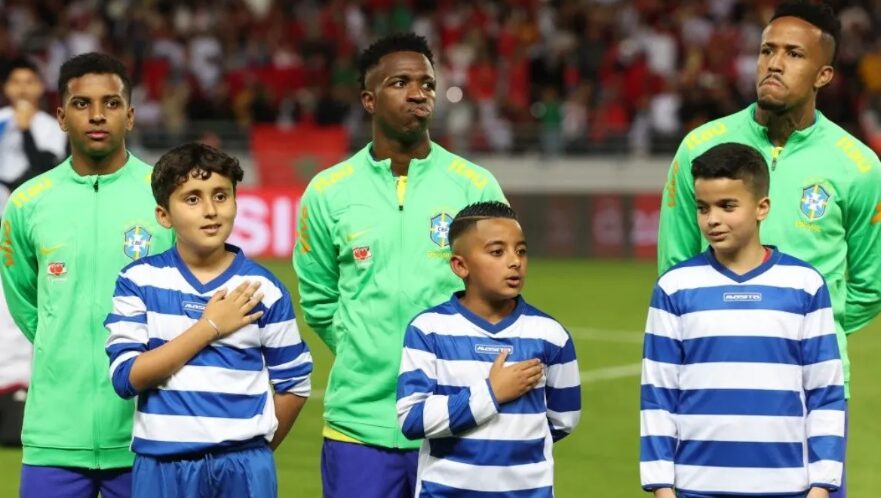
(772, 103)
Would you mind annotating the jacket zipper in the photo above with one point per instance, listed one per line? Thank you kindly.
(400, 194)
(93, 264)
(775, 154)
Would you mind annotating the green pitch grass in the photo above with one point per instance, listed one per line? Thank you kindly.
(604, 305)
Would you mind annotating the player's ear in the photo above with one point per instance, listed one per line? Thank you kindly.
(763, 208)
(458, 265)
(59, 115)
(368, 101)
(162, 217)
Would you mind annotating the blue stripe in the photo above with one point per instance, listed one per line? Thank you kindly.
(566, 399)
(414, 426)
(437, 490)
(488, 452)
(249, 359)
(740, 402)
(530, 403)
(300, 370)
(201, 404)
(121, 380)
(819, 349)
(114, 350)
(171, 302)
(557, 435)
(742, 349)
(662, 301)
(740, 454)
(112, 318)
(282, 355)
(662, 349)
(658, 398)
(414, 338)
(826, 448)
(287, 385)
(653, 448)
(151, 447)
(772, 298)
(461, 418)
(414, 381)
(827, 398)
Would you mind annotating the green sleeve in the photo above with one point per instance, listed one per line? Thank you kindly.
(315, 262)
(679, 237)
(863, 234)
(493, 191)
(19, 271)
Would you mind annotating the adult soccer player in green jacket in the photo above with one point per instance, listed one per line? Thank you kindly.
(372, 252)
(825, 184)
(65, 235)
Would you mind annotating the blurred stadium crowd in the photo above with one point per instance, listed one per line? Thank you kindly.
(559, 76)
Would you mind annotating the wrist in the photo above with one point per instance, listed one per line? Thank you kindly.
(212, 327)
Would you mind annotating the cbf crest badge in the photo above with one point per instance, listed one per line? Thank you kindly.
(814, 200)
(137, 242)
(440, 229)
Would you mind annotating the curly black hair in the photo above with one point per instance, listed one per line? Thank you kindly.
(398, 42)
(817, 13)
(93, 63)
(191, 160)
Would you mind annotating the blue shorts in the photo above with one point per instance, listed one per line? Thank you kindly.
(351, 470)
(71, 482)
(245, 473)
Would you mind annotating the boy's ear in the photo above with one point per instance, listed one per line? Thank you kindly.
(763, 208)
(162, 217)
(457, 264)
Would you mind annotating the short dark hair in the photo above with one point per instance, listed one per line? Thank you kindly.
(817, 13)
(472, 213)
(93, 63)
(398, 42)
(736, 162)
(194, 160)
(19, 63)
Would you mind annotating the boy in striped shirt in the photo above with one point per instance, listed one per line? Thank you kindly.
(199, 333)
(742, 384)
(489, 381)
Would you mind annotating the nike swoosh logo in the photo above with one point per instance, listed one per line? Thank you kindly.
(45, 251)
(354, 235)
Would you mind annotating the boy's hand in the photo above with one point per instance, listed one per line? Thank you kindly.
(665, 493)
(229, 312)
(511, 382)
(818, 493)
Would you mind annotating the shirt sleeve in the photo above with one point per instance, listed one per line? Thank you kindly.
(492, 191)
(287, 356)
(423, 412)
(659, 392)
(19, 270)
(563, 390)
(317, 267)
(129, 336)
(863, 235)
(679, 237)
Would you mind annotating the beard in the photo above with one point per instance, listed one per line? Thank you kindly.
(771, 105)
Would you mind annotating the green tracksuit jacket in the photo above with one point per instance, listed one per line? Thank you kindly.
(64, 239)
(825, 209)
(371, 253)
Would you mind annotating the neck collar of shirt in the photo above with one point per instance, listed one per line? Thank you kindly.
(755, 272)
(100, 178)
(386, 164)
(215, 282)
(482, 322)
(797, 135)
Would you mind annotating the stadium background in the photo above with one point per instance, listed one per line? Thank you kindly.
(576, 106)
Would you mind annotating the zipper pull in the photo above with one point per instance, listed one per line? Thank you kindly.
(775, 153)
(95, 186)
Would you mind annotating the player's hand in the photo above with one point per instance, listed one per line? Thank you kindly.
(818, 493)
(664, 493)
(511, 382)
(230, 311)
(24, 113)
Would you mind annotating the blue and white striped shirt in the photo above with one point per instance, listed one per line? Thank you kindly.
(222, 396)
(472, 444)
(742, 384)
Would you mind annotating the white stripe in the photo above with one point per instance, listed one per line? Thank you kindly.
(658, 374)
(743, 428)
(302, 389)
(217, 380)
(462, 372)
(481, 402)
(692, 277)
(741, 479)
(826, 472)
(304, 358)
(823, 374)
(491, 478)
(740, 323)
(793, 277)
(564, 375)
(663, 324)
(168, 327)
(657, 423)
(826, 423)
(436, 416)
(525, 327)
(120, 359)
(656, 472)
(170, 278)
(281, 334)
(818, 323)
(180, 428)
(417, 359)
(564, 421)
(128, 305)
(126, 333)
(735, 375)
(511, 427)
